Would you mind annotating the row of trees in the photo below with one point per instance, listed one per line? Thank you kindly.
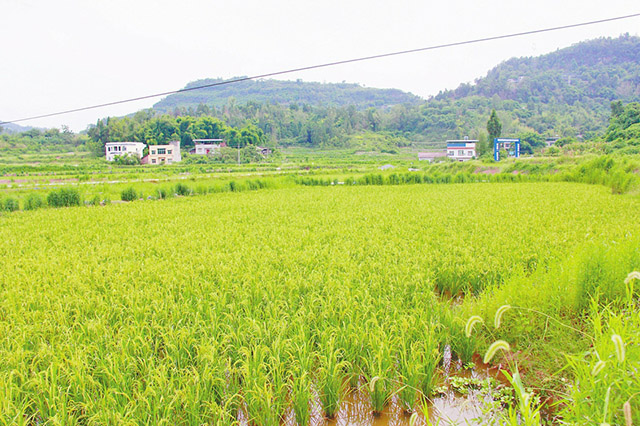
(432, 121)
(145, 126)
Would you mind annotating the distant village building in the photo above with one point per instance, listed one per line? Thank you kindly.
(115, 149)
(462, 150)
(432, 156)
(208, 146)
(164, 154)
(386, 167)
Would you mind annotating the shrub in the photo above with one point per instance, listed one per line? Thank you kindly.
(161, 193)
(129, 194)
(10, 205)
(182, 189)
(65, 197)
(34, 201)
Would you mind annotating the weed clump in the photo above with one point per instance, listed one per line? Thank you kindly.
(65, 197)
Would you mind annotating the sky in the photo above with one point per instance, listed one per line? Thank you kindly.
(66, 54)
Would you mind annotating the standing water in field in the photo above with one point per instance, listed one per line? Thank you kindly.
(470, 395)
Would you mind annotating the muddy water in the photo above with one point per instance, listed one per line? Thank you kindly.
(448, 408)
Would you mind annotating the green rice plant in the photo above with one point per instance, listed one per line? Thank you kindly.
(380, 384)
(416, 367)
(331, 379)
(301, 397)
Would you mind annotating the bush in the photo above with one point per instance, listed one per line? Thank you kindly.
(182, 189)
(161, 193)
(129, 194)
(34, 201)
(65, 197)
(126, 160)
(10, 205)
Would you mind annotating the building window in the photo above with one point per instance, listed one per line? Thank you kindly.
(460, 153)
(162, 151)
(153, 152)
(470, 153)
(153, 161)
(168, 151)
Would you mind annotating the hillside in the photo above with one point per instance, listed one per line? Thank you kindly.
(563, 92)
(600, 70)
(286, 92)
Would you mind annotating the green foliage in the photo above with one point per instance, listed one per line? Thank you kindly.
(606, 386)
(494, 127)
(182, 190)
(624, 123)
(126, 160)
(150, 127)
(34, 201)
(64, 197)
(9, 204)
(37, 140)
(129, 194)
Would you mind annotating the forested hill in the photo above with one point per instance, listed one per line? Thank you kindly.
(600, 71)
(567, 92)
(286, 92)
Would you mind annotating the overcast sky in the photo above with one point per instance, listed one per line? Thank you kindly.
(65, 54)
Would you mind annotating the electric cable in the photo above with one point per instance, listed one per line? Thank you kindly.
(328, 64)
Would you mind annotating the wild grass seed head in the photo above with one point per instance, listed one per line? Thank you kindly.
(468, 328)
(494, 348)
(498, 318)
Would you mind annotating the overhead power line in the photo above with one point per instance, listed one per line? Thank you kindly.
(328, 64)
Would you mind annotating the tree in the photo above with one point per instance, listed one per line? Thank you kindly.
(616, 108)
(494, 127)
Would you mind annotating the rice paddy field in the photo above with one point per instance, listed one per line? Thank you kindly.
(280, 306)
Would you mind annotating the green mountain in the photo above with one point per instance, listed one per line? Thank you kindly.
(285, 92)
(563, 92)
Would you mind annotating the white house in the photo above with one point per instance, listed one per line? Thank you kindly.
(114, 149)
(207, 146)
(461, 150)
